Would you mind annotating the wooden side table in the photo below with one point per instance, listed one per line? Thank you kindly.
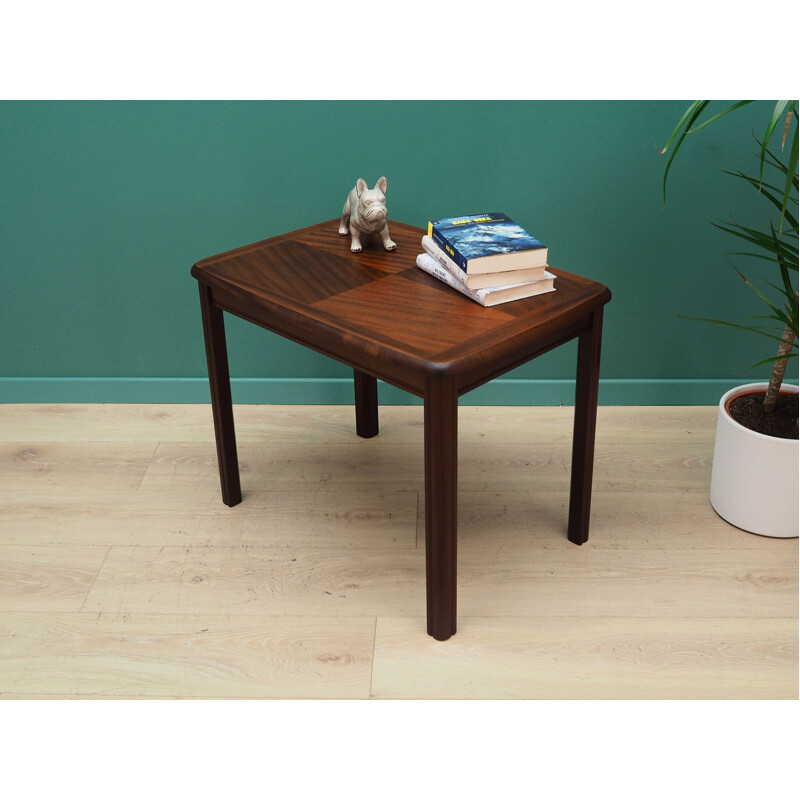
(378, 313)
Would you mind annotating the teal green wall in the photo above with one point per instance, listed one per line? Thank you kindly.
(106, 206)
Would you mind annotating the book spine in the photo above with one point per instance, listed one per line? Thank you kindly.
(429, 264)
(444, 260)
(451, 251)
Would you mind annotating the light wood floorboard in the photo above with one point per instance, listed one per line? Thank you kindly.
(196, 655)
(122, 574)
(578, 658)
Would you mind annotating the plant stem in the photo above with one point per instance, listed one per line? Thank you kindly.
(778, 371)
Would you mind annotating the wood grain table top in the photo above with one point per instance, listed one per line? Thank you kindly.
(379, 311)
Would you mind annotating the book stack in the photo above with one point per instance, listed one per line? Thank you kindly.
(487, 257)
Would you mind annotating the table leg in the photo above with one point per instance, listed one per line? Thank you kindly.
(366, 391)
(586, 390)
(441, 479)
(221, 403)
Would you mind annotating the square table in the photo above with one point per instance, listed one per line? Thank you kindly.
(377, 312)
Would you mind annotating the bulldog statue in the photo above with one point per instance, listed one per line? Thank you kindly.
(365, 212)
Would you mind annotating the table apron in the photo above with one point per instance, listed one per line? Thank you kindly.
(521, 354)
(310, 336)
(372, 359)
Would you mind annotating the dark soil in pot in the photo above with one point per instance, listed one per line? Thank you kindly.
(748, 410)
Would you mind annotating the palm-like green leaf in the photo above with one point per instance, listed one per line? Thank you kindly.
(790, 176)
(767, 191)
(740, 326)
(774, 161)
(720, 114)
(775, 246)
(787, 250)
(778, 116)
(747, 254)
(778, 314)
(784, 110)
(773, 359)
(788, 289)
(690, 116)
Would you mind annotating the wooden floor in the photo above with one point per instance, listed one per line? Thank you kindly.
(122, 574)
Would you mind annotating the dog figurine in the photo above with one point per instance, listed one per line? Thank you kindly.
(365, 212)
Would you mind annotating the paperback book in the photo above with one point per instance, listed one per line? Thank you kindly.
(491, 296)
(481, 281)
(485, 243)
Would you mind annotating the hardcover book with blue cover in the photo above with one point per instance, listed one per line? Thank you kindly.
(481, 243)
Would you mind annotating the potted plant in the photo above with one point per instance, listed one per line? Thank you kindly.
(754, 481)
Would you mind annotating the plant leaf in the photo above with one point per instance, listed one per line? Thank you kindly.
(767, 191)
(792, 168)
(690, 116)
(738, 326)
(773, 359)
(777, 116)
(775, 162)
(760, 240)
(721, 114)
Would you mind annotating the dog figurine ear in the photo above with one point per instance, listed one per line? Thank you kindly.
(361, 185)
(381, 184)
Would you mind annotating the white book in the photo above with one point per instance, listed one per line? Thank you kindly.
(491, 296)
(481, 281)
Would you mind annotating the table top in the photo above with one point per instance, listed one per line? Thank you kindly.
(379, 312)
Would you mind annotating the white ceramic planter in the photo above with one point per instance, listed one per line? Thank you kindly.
(754, 480)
